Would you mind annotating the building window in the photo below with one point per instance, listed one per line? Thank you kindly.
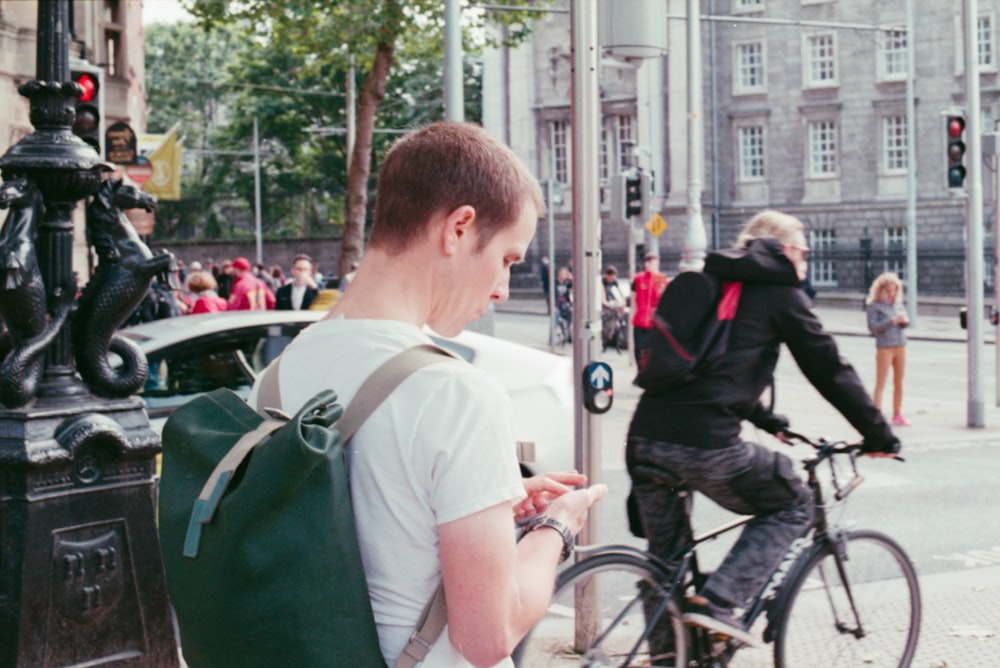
(895, 251)
(892, 62)
(626, 141)
(603, 171)
(985, 42)
(751, 148)
(895, 156)
(560, 150)
(822, 149)
(749, 68)
(822, 267)
(748, 5)
(820, 60)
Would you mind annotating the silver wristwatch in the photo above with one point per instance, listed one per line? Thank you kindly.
(543, 521)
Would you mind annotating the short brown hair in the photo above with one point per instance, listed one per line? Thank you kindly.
(444, 166)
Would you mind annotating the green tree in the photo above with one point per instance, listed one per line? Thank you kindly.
(321, 34)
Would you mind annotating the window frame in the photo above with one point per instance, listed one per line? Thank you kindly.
(892, 47)
(822, 259)
(817, 155)
(894, 141)
(741, 67)
(751, 161)
(811, 62)
(559, 145)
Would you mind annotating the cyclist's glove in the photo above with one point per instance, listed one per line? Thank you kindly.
(889, 445)
(772, 423)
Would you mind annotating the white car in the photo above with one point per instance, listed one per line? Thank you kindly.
(192, 354)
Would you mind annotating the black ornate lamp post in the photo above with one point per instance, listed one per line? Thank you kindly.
(81, 579)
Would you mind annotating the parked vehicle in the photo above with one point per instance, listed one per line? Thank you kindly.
(199, 353)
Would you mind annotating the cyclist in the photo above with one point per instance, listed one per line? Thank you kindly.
(693, 432)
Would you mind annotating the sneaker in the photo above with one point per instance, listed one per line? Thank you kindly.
(718, 620)
(900, 421)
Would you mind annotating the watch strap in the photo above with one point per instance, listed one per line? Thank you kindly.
(545, 522)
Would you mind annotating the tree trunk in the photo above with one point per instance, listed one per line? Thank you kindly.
(356, 202)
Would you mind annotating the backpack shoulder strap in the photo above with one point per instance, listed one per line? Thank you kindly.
(378, 386)
(269, 392)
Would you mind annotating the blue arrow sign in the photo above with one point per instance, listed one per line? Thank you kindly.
(600, 375)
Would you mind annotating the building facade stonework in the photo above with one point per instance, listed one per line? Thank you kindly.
(804, 111)
(106, 34)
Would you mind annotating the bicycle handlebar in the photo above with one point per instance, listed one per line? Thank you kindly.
(828, 448)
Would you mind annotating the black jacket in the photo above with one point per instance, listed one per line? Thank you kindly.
(283, 298)
(773, 309)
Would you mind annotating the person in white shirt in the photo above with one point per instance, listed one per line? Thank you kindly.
(434, 476)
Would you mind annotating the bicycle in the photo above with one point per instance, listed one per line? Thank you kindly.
(839, 597)
(564, 324)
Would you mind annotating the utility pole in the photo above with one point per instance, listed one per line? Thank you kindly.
(974, 219)
(695, 240)
(454, 104)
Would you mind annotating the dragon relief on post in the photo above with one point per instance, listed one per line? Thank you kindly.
(125, 269)
(23, 303)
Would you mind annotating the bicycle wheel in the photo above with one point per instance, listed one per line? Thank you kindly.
(818, 625)
(615, 633)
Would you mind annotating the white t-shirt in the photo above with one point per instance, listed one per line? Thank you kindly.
(439, 448)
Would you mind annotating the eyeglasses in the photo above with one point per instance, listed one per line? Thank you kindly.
(802, 249)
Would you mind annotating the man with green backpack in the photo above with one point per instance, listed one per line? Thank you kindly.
(434, 478)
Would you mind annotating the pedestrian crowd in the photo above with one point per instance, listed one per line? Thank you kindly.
(234, 285)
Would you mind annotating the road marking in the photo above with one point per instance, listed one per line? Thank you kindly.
(973, 558)
(959, 445)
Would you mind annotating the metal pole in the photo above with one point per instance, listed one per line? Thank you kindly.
(586, 116)
(974, 218)
(454, 107)
(995, 164)
(693, 253)
(550, 214)
(586, 119)
(911, 173)
(256, 192)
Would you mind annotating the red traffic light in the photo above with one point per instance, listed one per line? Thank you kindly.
(89, 84)
(956, 124)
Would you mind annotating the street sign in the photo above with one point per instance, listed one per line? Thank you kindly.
(656, 224)
(139, 173)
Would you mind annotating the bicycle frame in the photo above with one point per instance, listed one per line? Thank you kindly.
(772, 598)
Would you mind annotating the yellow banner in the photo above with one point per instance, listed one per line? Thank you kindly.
(165, 184)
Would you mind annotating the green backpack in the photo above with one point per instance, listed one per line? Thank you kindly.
(257, 529)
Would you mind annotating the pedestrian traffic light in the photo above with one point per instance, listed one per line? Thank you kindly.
(633, 196)
(955, 146)
(88, 124)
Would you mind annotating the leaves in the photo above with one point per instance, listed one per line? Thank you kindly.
(286, 62)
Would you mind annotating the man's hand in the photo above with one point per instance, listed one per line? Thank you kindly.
(542, 489)
(880, 448)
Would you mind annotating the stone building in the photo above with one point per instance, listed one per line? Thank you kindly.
(104, 34)
(804, 110)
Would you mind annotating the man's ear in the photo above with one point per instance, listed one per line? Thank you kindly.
(457, 228)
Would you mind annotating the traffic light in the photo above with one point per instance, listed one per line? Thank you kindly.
(955, 146)
(89, 124)
(633, 196)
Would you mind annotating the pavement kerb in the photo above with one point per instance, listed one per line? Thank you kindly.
(836, 320)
